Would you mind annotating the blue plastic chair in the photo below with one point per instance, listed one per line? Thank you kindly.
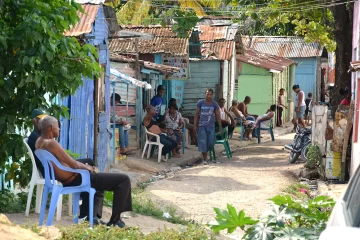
(47, 159)
(270, 129)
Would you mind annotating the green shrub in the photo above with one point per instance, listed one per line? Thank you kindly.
(287, 219)
(14, 203)
(82, 231)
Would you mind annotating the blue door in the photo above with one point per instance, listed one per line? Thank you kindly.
(305, 75)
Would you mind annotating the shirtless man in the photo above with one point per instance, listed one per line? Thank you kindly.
(116, 182)
(243, 107)
(153, 127)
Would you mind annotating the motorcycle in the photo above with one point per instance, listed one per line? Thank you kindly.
(302, 140)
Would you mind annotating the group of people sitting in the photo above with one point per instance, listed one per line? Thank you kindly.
(238, 114)
(169, 125)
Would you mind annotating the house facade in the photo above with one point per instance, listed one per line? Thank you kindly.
(86, 131)
(311, 58)
(261, 76)
(215, 66)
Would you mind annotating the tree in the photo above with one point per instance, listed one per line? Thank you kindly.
(328, 22)
(137, 12)
(36, 59)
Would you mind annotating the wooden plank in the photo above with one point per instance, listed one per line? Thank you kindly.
(348, 130)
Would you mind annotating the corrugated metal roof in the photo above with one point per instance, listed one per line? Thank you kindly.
(215, 20)
(290, 47)
(86, 20)
(221, 50)
(150, 65)
(211, 33)
(264, 60)
(355, 66)
(156, 30)
(174, 46)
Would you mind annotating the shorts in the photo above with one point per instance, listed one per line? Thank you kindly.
(206, 139)
(301, 113)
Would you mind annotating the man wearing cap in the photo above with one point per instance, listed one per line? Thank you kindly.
(38, 114)
(300, 106)
(157, 101)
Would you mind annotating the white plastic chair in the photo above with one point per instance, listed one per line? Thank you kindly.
(37, 179)
(149, 143)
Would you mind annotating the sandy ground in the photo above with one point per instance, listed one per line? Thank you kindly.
(254, 174)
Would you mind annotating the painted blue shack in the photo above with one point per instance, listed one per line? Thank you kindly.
(87, 131)
(311, 58)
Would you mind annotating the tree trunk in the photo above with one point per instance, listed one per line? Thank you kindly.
(343, 36)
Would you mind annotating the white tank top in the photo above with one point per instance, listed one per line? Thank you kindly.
(297, 99)
(222, 114)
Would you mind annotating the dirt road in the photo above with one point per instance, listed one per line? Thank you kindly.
(254, 174)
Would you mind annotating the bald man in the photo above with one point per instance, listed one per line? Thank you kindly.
(116, 182)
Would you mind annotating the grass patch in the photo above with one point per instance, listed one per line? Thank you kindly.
(142, 204)
(294, 190)
(82, 231)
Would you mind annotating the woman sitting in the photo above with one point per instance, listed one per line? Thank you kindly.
(264, 120)
(174, 124)
(237, 114)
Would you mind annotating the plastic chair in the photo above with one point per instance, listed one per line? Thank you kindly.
(37, 179)
(48, 160)
(270, 129)
(242, 129)
(149, 143)
(224, 141)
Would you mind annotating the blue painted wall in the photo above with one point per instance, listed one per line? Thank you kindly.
(77, 133)
(305, 75)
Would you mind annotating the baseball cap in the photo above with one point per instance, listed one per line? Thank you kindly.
(38, 113)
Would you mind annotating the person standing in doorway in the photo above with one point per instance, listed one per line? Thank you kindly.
(300, 106)
(157, 101)
(204, 122)
(280, 107)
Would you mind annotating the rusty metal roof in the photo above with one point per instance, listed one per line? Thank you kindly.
(221, 50)
(156, 30)
(290, 47)
(174, 46)
(165, 41)
(86, 20)
(212, 33)
(355, 66)
(264, 60)
(215, 20)
(150, 65)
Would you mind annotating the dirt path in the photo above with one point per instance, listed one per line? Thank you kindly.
(254, 174)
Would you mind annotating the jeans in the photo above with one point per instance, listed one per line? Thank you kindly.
(206, 139)
(279, 116)
(251, 118)
(123, 136)
(118, 183)
(168, 142)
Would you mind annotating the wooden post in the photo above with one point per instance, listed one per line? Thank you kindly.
(96, 119)
(346, 139)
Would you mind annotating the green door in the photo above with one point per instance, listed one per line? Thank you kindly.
(259, 88)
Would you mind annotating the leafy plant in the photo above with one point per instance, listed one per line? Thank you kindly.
(37, 63)
(287, 218)
(72, 154)
(15, 203)
(313, 156)
(229, 219)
